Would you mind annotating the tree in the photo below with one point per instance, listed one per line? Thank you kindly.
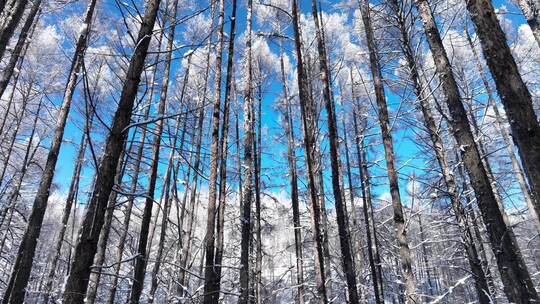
(77, 281)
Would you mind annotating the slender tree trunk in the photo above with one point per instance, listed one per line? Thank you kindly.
(9, 25)
(344, 237)
(134, 182)
(374, 262)
(245, 216)
(21, 270)
(451, 187)
(224, 151)
(72, 192)
(95, 276)
(85, 250)
(142, 253)
(211, 295)
(514, 95)
(399, 219)
(26, 31)
(514, 274)
(308, 123)
(530, 11)
(291, 160)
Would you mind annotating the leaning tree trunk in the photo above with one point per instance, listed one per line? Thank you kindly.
(399, 219)
(309, 141)
(26, 30)
(9, 25)
(73, 188)
(77, 281)
(506, 137)
(514, 274)
(481, 286)
(245, 216)
(23, 264)
(513, 92)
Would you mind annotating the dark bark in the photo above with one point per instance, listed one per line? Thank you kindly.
(291, 161)
(374, 261)
(26, 30)
(245, 215)
(224, 151)
(210, 294)
(438, 146)
(344, 237)
(513, 93)
(514, 274)
(77, 281)
(10, 23)
(25, 255)
(399, 218)
(306, 108)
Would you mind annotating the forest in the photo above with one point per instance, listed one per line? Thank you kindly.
(269, 151)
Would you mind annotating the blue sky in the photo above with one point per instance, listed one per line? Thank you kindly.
(406, 150)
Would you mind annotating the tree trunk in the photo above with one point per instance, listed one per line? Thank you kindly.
(26, 31)
(516, 279)
(72, 192)
(10, 23)
(530, 12)
(23, 264)
(506, 137)
(245, 217)
(291, 161)
(211, 295)
(399, 219)
(307, 123)
(224, 151)
(451, 187)
(514, 95)
(374, 261)
(85, 250)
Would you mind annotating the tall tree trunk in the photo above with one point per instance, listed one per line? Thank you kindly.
(308, 123)
(95, 276)
(134, 180)
(72, 192)
(374, 261)
(85, 250)
(399, 219)
(506, 137)
(245, 216)
(514, 274)
(23, 264)
(220, 229)
(514, 95)
(291, 161)
(10, 23)
(143, 251)
(26, 31)
(210, 294)
(344, 237)
(481, 286)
